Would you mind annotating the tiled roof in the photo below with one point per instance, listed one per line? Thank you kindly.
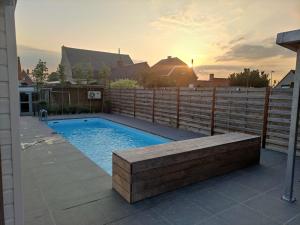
(129, 71)
(95, 58)
(165, 66)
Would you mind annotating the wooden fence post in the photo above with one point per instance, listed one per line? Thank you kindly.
(134, 102)
(153, 100)
(266, 114)
(212, 116)
(177, 107)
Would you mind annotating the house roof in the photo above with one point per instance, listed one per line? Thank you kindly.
(129, 71)
(165, 67)
(289, 77)
(95, 58)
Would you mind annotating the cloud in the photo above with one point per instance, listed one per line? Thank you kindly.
(236, 40)
(255, 51)
(218, 67)
(29, 57)
(181, 19)
(219, 70)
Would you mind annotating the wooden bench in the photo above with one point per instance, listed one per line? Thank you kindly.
(146, 172)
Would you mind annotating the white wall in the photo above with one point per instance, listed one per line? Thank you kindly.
(9, 118)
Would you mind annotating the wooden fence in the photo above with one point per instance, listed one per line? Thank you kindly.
(74, 96)
(210, 111)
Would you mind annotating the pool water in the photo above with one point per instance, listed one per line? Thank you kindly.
(97, 138)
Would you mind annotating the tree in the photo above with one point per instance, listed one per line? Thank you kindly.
(102, 76)
(78, 73)
(61, 74)
(249, 78)
(88, 72)
(83, 72)
(124, 83)
(40, 74)
(53, 77)
(62, 78)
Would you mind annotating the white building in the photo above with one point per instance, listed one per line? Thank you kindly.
(11, 209)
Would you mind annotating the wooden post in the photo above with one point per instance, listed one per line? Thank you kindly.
(212, 116)
(134, 102)
(266, 114)
(153, 100)
(1, 195)
(177, 107)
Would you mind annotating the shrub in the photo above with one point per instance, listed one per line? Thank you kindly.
(42, 105)
(124, 83)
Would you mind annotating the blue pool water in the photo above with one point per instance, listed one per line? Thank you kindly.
(97, 138)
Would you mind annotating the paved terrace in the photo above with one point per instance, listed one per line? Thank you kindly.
(63, 187)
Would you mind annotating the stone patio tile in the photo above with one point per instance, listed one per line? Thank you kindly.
(38, 217)
(145, 218)
(260, 178)
(104, 211)
(277, 192)
(214, 221)
(242, 215)
(210, 200)
(181, 212)
(235, 190)
(270, 158)
(275, 208)
(294, 221)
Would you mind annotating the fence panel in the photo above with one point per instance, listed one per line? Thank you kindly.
(195, 109)
(165, 106)
(65, 98)
(280, 104)
(144, 104)
(127, 102)
(239, 110)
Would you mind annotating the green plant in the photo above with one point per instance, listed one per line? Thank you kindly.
(42, 105)
(124, 83)
(40, 72)
(53, 109)
(83, 109)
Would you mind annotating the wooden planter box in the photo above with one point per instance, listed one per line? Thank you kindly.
(146, 172)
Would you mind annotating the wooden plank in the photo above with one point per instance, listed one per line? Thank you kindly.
(157, 169)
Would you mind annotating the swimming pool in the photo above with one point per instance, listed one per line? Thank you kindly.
(97, 138)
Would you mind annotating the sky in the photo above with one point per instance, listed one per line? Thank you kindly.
(221, 36)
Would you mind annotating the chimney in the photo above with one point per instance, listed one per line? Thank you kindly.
(119, 62)
(211, 76)
(169, 57)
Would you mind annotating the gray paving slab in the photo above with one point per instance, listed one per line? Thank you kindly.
(61, 186)
(242, 215)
